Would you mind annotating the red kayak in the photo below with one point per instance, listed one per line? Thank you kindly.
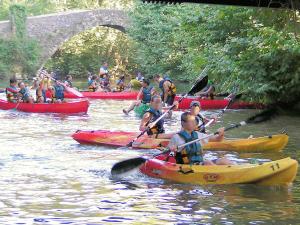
(101, 95)
(206, 104)
(64, 107)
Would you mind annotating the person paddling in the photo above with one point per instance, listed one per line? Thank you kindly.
(41, 92)
(195, 108)
(152, 114)
(105, 83)
(12, 91)
(25, 93)
(144, 96)
(92, 83)
(120, 84)
(168, 89)
(192, 154)
(58, 92)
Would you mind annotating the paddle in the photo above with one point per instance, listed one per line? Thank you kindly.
(68, 89)
(130, 164)
(231, 101)
(198, 85)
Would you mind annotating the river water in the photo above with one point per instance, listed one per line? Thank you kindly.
(48, 178)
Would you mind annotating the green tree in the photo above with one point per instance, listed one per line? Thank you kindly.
(18, 55)
(86, 51)
(256, 49)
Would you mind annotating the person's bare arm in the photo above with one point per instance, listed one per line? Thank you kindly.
(219, 137)
(145, 120)
(166, 87)
(153, 91)
(204, 93)
(140, 95)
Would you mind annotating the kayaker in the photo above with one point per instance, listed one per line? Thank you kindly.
(208, 91)
(24, 92)
(41, 92)
(192, 154)
(68, 81)
(144, 96)
(93, 85)
(103, 69)
(12, 91)
(57, 92)
(152, 114)
(45, 76)
(195, 108)
(168, 89)
(139, 77)
(120, 84)
(105, 83)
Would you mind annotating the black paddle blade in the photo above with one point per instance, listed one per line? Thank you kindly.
(127, 165)
(265, 115)
(199, 85)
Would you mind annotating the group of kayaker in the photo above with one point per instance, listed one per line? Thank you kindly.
(148, 100)
(192, 127)
(21, 92)
(101, 82)
(192, 122)
(168, 93)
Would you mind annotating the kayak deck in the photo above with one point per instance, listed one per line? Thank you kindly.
(279, 172)
(121, 139)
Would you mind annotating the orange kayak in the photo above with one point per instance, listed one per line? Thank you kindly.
(121, 139)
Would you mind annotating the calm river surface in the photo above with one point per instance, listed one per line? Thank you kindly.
(48, 178)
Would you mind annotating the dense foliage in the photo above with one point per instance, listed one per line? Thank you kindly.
(86, 51)
(18, 55)
(38, 7)
(256, 49)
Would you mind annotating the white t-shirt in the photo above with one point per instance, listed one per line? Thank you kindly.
(103, 70)
(177, 140)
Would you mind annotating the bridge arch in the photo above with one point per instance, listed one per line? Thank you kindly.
(52, 30)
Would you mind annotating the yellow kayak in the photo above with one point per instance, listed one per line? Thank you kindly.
(259, 144)
(279, 172)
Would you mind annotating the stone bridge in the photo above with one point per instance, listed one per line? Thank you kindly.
(52, 30)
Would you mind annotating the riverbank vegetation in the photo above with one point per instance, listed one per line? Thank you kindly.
(18, 54)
